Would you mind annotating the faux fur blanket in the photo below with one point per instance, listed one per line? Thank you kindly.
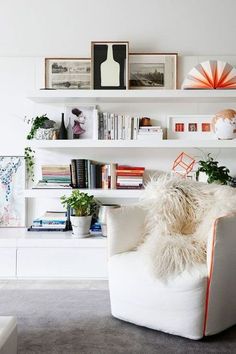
(180, 216)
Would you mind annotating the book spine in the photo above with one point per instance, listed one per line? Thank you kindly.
(95, 124)
(89, 173)
(101, 126)
(86, 173)
(119, 127)
(73, 174)
(93, 175)
(80, 169)
(105, 126)
(108, 126)
(113, 175)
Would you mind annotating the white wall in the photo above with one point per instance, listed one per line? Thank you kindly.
(31, 30)
(66, 27)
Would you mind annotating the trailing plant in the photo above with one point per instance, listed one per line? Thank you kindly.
(37, 122)
(82, 203)
(29, 162)
(214, 172)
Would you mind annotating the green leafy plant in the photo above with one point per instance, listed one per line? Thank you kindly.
(29, 162)
(214, 172)
(82, 203)
(37, 122)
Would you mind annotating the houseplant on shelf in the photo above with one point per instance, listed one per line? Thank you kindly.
(83, 206)
(210, 172)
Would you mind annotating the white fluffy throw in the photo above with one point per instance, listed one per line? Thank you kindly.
(180, 216)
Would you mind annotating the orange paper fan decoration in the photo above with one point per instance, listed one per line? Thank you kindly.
(212, 74)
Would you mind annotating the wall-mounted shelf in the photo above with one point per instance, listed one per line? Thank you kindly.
(129, 96)
(98, 193)
(87, 143)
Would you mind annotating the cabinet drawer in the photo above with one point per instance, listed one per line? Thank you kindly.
(7, 262)
(62, 263)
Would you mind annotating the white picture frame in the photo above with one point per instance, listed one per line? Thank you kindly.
(190, 127)
(153, 71)
(88, 119)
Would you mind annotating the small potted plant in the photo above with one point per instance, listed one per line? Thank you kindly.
(83, 206)
(210, 172)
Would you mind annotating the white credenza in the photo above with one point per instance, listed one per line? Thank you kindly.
(51, 255)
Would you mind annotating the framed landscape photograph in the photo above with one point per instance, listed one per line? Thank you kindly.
(68, 73)
(110, 65)
(153, 71)
(195, 127)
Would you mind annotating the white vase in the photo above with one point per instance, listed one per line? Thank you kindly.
(81, 225)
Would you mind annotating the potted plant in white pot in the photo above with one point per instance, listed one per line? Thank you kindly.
(83, 206)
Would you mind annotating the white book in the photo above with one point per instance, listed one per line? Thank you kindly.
(95, 124)
(116, 126)
(112, 119)
(105, 125)
(120, 131)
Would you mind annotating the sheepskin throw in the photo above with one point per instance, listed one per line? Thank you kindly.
(180, 216)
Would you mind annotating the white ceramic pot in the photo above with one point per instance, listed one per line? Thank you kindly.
(202, 177)
(81, 225)
(102, 216)
(225, 128)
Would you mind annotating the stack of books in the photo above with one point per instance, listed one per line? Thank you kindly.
(112, 126)
(50, 221)
(92, 174)
(153, 133)
(55, 176)
(129, 177)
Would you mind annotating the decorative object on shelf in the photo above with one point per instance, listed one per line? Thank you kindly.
(102, 216)
(41, 128)
(67, 73)
(145, 122)
(29, 162)
(110, 65)
(70, 133)
(84, 121)
(12, 185)
(153, 71)
(211, 74)
(194, 127)
(84, 206)
(183, 164)
(224, 124)
(62, 131)
(213, 173)
(150, 133)
(50, 221)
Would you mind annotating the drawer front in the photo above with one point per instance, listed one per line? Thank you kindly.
(7, 262)
(62, 263)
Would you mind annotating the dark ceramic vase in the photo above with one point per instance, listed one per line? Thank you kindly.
(62, 130)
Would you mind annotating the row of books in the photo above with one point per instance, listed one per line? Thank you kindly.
(90, 174)
(117, 127)
(50, 221)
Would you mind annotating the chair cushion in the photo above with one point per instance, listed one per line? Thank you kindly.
(175, 306)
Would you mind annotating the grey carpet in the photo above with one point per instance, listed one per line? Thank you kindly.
(79, 322)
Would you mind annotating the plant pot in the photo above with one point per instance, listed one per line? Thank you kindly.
(81, 225)
(202, 177)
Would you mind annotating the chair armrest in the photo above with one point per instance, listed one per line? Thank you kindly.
(221, 288)
(125, 227)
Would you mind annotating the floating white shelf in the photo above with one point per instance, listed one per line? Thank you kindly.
(98, 193)
(87, 143)
(137, 96)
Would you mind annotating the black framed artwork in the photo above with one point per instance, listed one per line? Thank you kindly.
(110, 65)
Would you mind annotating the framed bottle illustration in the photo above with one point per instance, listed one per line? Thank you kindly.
(110, 65)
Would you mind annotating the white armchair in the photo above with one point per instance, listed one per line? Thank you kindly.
(194, 304)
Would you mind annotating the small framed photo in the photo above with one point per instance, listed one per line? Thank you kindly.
(83, 120)
(110, 65)
(153, 71)
(190, 127)
(68, 73)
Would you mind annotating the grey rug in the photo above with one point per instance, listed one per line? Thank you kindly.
(79, 322)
